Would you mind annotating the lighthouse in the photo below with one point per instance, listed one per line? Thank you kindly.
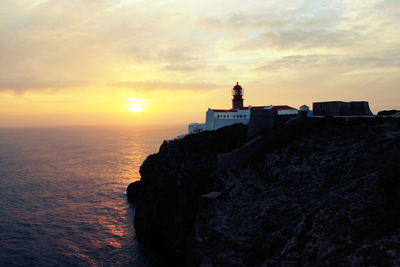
(217, 118)
(237, 94)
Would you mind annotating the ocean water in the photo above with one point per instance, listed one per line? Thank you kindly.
(62, 194)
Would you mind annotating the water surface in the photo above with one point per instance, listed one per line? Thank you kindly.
(62, 194)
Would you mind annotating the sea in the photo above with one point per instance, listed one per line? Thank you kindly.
(63, 194)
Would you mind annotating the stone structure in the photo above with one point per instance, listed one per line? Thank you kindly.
(196, 127)
(218, 118)
(261, 120)
(237, 97)
(238, 156)
(340, 108)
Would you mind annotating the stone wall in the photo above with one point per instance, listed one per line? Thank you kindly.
(261, 120)
(213, 123)
(239, 155)
(340, 108)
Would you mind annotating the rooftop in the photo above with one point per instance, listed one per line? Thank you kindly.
(280, 107)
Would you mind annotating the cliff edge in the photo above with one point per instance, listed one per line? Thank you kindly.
(315, 192)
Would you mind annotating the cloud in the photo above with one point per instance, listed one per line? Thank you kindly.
(332, 65)
(292, 30)
(221, 68)
(185, 66)
(63, 44)
(299, 61)
(160, 85)
(28, 83)
(298, 38)
(306, 26)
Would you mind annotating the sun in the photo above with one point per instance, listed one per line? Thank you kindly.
(135, 105)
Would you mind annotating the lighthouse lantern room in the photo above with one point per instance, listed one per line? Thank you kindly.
(237, 94)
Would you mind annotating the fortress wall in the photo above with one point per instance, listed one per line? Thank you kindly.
(282, 119)
(360, 108)
(331, 108)
(260, 120)
(243, 153)
(240, 155)
(224, 161)
(340, 108)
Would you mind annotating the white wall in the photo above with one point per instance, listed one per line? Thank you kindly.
(215, 120)
(196, 127)
(288, 112)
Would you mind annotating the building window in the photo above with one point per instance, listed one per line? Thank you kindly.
(217, 116)
(244, 116)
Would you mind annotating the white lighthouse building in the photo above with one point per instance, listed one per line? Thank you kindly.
(217, 118)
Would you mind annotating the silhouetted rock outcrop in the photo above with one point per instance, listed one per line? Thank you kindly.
(171, 184)
(388, 112)
(315, 192)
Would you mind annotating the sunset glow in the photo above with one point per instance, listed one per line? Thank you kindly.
(135, 105)
(75, 62)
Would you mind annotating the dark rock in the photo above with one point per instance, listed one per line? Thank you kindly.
(315, 192)
(171, 185)
(387, 112)
(133, 191)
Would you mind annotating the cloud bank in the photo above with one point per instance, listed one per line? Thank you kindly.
(191, 45)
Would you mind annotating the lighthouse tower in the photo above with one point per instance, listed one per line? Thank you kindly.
(237, 94)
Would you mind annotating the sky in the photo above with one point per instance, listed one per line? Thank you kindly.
(134, 62)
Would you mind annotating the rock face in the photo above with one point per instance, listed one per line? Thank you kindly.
(387, 112)
(320, 192)
(167, 196)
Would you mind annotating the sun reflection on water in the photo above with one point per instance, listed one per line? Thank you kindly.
(78, 213)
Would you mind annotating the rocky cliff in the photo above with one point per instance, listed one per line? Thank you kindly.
(168, 194)
(317, 192)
